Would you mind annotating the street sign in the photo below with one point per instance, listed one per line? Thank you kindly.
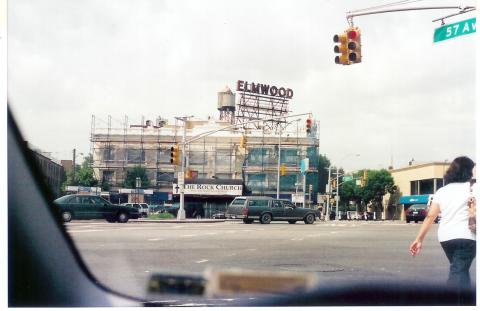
(454, 30)
(347, 178)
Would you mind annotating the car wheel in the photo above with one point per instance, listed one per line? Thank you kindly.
(292, 222)
(67, 216)
(122, 217)
(266, 218)
(309, 219)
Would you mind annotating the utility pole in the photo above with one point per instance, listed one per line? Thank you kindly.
(336, 198)
(278, 164)
(181, 174)
(73, 164)
(327, 215)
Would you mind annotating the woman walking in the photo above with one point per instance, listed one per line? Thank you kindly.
(456, 239)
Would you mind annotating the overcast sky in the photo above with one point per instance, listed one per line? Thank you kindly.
(409, 98)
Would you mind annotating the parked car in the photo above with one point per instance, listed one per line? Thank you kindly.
(143, 208)
(416, 213)
(267, 209)
(76, 206)
(219, 216)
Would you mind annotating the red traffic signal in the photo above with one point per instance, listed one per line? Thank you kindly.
(354, 45)
(309, 125)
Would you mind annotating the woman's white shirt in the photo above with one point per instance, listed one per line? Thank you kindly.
(452, 200)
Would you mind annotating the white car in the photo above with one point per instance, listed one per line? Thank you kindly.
(143, 208)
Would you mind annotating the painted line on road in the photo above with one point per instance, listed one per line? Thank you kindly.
(79, 231)
(296, 239)
(251, 249)
(155, 239)
(202, 261)
(189, 235)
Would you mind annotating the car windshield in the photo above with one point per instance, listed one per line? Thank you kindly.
(195, 107)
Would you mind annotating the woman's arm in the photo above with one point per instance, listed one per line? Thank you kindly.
(433, 212)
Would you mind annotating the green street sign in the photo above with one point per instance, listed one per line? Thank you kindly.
(347, 178)
(454, 30)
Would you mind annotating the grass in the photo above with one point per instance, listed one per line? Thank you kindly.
(161, 216)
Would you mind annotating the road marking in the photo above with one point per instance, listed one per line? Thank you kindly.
(333, 232)
(251, 249)
(78, 231)
(231, 255)
(211, 233)
(188, 235)
(202, 261)
(155, 239)
(296, 239)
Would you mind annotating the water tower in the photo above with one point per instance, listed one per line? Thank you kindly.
(226, 105)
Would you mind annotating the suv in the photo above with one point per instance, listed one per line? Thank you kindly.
(79, 206)
(143, 208)
(416, 213)
(266, 209)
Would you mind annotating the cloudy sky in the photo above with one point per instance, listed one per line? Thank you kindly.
(409, 98)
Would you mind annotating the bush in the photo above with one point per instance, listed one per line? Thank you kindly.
(161, 216)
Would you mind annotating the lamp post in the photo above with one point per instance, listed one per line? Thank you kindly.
(181, 174)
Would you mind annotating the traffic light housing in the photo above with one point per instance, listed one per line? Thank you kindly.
(309, 125)
(354, 45)
(283, 170)
(175, 155)
(349, 46)
(341, 48)
(243, 142)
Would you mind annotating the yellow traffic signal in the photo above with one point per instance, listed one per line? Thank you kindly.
(354, 45)
(283, 170)
(175, 155)
(334, 183)
(243, 142)
(341, 48)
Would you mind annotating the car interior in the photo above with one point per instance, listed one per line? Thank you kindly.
(46, 270)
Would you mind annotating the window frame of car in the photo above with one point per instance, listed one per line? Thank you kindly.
(288, 204)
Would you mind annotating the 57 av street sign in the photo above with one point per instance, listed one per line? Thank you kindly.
(454, 30)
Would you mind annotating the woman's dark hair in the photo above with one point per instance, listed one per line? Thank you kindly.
(460, 170)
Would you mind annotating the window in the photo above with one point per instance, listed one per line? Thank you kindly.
(197, 158)
(223, 158)
(255, 202)
(239, 202)
(164, 178)
(277, 204)
(108, 154)
(136, 155)
(163, 156)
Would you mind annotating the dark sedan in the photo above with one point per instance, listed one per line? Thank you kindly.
(416, 213)
(75, 206)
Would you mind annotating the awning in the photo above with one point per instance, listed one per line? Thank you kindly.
(415, 199)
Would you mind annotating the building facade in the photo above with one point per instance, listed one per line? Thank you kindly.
(53, 171)
(215, 161)
(415, 184)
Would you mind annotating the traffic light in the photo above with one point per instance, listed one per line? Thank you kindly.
(310, 188)
(354, 45)
(334, 183)
(341, 48)
(309, 125)
(243, 142)
(283, 170)
(175, 155)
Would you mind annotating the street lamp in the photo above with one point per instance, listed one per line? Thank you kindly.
(181, 174)
(279, 154)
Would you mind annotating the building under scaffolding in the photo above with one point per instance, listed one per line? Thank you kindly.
(213, 162)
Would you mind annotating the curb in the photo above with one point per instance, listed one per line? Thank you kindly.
(197, 221)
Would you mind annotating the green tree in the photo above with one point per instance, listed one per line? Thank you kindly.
(84, 175)
(379, 182)
(323, 165)
(133, 173)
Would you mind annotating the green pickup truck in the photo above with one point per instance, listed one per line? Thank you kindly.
(267, 209)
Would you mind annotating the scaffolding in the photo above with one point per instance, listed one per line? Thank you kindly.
(116, 148)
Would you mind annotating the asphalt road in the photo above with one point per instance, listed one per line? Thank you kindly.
(123, 256)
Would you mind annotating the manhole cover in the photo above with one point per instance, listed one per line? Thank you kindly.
(310, 268)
